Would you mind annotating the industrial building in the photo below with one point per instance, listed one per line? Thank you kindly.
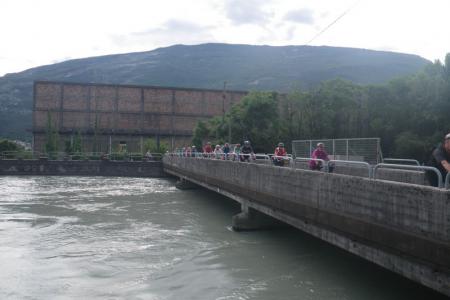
(110, 118)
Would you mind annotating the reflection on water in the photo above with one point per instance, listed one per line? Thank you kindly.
(135, 238)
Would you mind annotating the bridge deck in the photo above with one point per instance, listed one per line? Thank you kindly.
(402, 227)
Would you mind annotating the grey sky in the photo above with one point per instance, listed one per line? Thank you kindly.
(304, 16)
(39, 32)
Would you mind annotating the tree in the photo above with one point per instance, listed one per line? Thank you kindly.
(77, 146)
(201, 133)
(152, 146)
(7, 145)
(52, 135)
(255, 118)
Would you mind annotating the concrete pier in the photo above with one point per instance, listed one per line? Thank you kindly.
(251, 219)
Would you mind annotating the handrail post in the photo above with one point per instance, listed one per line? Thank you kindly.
(447, 179)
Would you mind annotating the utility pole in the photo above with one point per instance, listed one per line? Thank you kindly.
(223, 100)
(223, 111)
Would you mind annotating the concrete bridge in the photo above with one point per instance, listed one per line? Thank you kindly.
(402, 227)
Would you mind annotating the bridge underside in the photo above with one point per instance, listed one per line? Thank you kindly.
(404, 228)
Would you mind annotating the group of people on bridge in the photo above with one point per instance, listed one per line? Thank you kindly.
(439, 159)
(245, 153)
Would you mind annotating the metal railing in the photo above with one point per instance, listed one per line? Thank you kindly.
(371, 170)
(354, 149)
(447, 179)
(308, 159)
(419, 168)
(400, 160)
(20, 155)
(351, 162)
(281, 161)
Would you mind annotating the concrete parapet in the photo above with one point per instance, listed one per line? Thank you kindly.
(402, 227)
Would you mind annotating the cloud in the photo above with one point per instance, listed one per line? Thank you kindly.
(172, 31)
(303, 16)
(247, 12)
(174, 26)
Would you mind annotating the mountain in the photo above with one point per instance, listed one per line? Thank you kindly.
(243, 67)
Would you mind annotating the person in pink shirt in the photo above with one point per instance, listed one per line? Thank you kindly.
(318, 153)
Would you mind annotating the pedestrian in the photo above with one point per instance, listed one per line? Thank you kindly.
(280, 155)
(226, 150)
(440, 159)
(319, 153)
(247, 152)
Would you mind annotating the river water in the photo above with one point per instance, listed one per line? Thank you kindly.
(137, 238)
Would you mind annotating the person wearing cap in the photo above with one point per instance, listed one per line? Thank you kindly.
(218, 153)
(246, 152)
(440, 159)
(279, 156)
(194, 151)
(318, 153)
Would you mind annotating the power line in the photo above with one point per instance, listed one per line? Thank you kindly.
(334, 22)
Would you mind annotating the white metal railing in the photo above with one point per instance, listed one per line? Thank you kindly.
(308, 159)
(447, 179)
(419, 168)
(351, 162)
(286, 158)
(354, 149)
(401, 160)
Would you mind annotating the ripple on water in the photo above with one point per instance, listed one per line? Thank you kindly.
(140, 238)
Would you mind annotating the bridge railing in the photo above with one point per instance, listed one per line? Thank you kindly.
(410, 167)
(332, 163)
(20, 155)
(282, 160)
(401, 161)
(447, 180)
(328, 165)
(308, 159)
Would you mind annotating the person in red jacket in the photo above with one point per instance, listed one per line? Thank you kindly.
(280, 155)
(207, 150)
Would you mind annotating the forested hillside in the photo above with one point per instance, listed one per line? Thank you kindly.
(410, 114)
(243, 67)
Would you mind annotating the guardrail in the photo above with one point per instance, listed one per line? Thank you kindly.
(447, 179)
(281, 160)
(371, 170)
(400, 160)
(419, 168)
(351, 162)
(20, 155)
(308, 159)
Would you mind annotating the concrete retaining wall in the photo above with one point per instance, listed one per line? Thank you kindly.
(81, 168)
(403, 227)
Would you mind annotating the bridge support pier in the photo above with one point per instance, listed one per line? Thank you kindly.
(251, 219)
(183, 184)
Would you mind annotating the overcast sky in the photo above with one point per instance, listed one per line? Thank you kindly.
(39, 32)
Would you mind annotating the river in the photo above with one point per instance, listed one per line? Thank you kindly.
(139, 238)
